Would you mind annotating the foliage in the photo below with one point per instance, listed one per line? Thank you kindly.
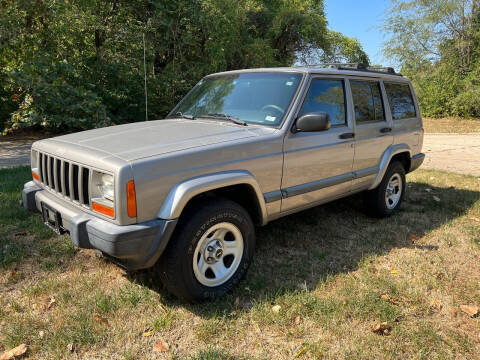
(78, 64)
(340, 49)
(437, 44)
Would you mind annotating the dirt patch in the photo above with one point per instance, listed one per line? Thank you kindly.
(458, 153)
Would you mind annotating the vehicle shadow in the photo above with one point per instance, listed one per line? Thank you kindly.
(300, 251)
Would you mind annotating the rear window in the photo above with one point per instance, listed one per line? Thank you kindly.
(400, 100)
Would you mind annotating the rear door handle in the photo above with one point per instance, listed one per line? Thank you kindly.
(347, 136)
(385, 129)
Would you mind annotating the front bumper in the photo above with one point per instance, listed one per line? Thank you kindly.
(133, 247)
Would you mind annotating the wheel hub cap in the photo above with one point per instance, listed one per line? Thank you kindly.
(218, 254)
(393, 192)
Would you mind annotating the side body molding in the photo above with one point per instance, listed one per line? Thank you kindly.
(385, 160)
(182, 192)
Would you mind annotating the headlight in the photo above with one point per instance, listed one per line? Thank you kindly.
(103, 186)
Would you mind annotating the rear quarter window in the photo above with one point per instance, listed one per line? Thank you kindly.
(401, 101)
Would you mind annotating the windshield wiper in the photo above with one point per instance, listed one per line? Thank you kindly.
(182, 115)
(231, 118)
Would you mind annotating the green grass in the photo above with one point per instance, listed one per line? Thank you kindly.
(19, 228)
(327, 268)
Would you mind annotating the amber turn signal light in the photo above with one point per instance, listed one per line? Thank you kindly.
(102, 209)
(35, 176)
(131, 199)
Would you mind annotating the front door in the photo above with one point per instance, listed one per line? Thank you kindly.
(318, 165)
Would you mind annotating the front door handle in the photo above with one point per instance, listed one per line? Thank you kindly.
(347, 136)
(386, 130)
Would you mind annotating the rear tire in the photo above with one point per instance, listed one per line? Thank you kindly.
(210, 251)
(386, 198)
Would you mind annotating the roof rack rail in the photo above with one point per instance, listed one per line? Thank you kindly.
(356, 67)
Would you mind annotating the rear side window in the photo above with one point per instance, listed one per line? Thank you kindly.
(400, 100)
(367, 100)
(326, 96)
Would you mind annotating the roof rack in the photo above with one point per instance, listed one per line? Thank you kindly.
(356, 67)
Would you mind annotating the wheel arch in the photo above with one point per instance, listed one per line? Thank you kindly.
(239, 186)
(400, 152)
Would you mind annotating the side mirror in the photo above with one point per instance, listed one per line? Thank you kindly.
(312, 122)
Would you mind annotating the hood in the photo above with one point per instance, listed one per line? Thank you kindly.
(139, 140)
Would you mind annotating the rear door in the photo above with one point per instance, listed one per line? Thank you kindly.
(373, 129)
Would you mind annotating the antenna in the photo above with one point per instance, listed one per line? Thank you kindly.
(145, 75)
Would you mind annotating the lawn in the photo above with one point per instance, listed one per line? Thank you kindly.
(451, 125)
(321, 281)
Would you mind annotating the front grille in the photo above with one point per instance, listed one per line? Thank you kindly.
(65, 177)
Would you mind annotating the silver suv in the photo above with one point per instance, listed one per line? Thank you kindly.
(182, 195)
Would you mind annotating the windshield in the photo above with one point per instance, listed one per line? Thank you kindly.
(259, 98)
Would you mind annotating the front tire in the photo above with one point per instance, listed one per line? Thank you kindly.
(210, 251)
(387, 197)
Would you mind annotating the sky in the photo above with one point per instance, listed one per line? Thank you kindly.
(359, 19)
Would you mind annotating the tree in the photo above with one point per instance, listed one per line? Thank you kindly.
(78, 64)
(436, 42)
(340, 49)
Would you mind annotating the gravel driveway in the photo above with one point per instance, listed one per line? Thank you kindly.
(458, 153)
(15, 152)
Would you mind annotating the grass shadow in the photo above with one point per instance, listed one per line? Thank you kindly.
(300, 252)
(303, 251)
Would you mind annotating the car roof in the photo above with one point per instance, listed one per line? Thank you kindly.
(320, 70)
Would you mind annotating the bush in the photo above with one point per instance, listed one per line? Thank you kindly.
(53, 97)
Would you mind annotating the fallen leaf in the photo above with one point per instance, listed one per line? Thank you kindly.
(41, 334)
(161, 346)
(50, 303)
(394, 271)
(99, 318)
(70, 347)
(382, 329)
(301, 352)
(276, 308)
(236, 302)
(12, 353)
(436, 304)
(389, 299)
(147, 333)
(471, 310)
(428, 190)
(297, 319)
(436, 198)
(414, 238)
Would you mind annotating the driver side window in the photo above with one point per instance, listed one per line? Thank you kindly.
(326, 96)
